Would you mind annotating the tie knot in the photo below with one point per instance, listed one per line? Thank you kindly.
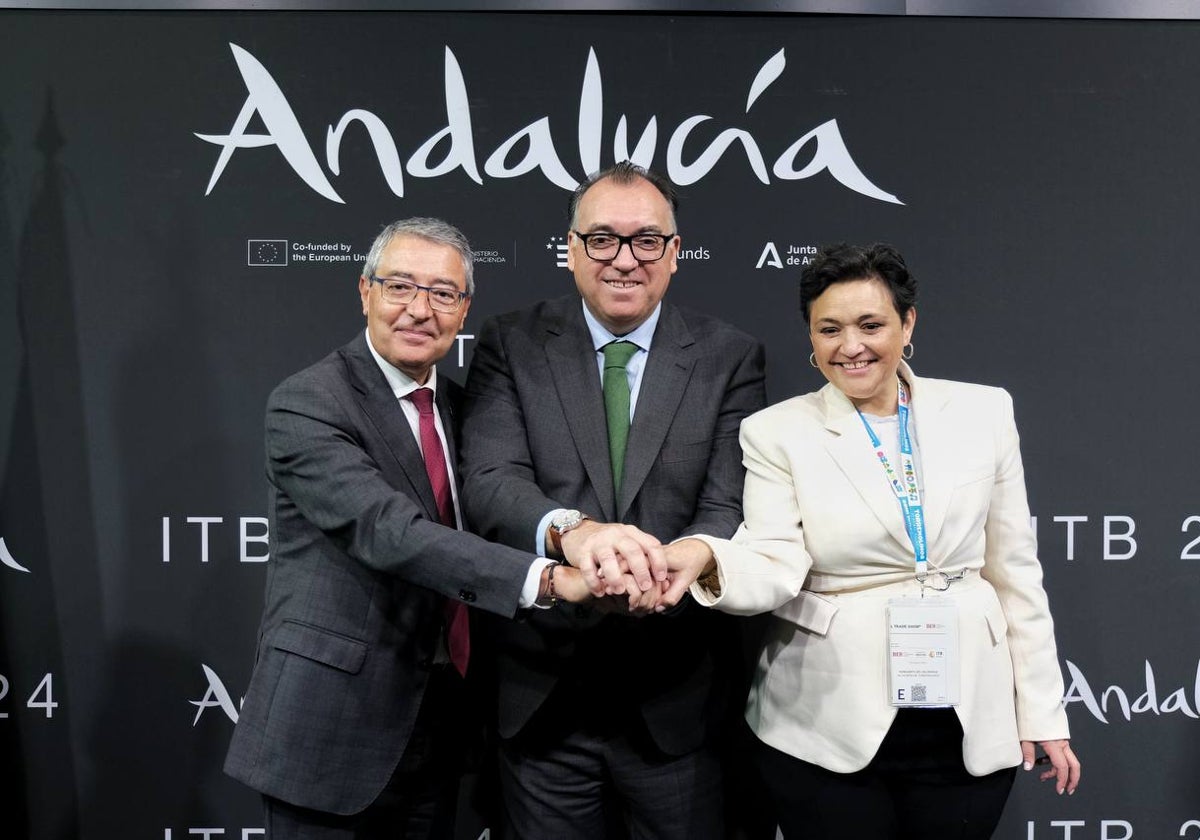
(618, 353)
(422, 398)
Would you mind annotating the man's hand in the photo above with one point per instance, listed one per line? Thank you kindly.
(615, 557)
(569, 584)
(644, 603)
(570, 587)
(634, 602)
(686, 561)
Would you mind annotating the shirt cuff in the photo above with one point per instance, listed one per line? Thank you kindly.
(529, 592)
(543, 527)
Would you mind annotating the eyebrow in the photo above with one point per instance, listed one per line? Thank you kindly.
(867, 316)
(606, 228)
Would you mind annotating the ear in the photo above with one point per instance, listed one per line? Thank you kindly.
(571, 238)
(674, 248)
(466, 307)
(364, 291)
(910, 321)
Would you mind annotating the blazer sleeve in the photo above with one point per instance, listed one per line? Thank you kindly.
(501, 497)
(719, 504)
(317, 456)
(1012, 567)
(765, 563)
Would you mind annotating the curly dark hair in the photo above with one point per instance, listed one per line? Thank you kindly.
(841, 262)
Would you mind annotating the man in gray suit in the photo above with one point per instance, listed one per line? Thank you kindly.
(595, 429)
(350, 725)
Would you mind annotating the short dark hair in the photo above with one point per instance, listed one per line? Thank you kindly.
(841, 262)
(625, 172)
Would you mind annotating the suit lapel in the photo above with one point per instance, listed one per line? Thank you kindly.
(664, 379)
(573, 367)
(851, 449)
(385, 414)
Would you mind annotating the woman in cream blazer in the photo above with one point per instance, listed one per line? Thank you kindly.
(824, 547)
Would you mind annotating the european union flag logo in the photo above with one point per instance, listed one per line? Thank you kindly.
(266, 252)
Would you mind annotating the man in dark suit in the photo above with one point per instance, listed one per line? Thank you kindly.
(350, 725)
(603, 714)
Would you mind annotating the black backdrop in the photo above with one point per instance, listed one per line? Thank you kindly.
(1040, 176)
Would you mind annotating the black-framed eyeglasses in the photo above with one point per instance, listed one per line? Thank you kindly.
(604, 246)
(441, 299)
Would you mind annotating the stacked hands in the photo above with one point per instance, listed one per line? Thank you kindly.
(622, 568)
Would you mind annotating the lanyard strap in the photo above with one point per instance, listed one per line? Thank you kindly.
(906, 490)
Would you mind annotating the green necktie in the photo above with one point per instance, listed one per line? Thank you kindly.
(616, 404)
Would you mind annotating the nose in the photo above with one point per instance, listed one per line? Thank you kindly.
(852, 343)
(419, 307)
(624, 260)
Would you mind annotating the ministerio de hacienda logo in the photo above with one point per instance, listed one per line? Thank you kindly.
(532, 147)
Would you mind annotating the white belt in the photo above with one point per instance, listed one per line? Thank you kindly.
(937, 580)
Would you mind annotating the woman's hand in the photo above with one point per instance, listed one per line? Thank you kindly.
(686, 560)
(1064, 766)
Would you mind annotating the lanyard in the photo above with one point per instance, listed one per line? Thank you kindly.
(906, 490)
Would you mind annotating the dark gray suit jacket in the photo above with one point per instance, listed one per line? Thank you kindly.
(356, 586)
(535, 439)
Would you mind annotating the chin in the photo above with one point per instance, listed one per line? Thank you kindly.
(858, 391)
(406, 364)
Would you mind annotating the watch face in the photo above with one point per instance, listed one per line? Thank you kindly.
(567, 520)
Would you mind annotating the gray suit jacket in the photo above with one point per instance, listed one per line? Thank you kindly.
(535, 439)
(356, 585)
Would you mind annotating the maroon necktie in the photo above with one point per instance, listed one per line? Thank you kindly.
(458, 638)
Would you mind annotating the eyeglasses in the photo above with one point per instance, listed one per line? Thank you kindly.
(645, 247)
(441, 299)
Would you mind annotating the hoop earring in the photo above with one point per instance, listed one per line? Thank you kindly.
(908, 350)
(812, 359)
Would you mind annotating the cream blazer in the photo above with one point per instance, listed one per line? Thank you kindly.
(823, 547)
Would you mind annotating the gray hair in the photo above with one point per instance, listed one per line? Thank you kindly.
(430, 229)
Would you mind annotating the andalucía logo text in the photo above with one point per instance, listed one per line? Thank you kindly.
(1114, 701)
(820, 149)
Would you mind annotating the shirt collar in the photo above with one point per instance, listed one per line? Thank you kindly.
(642, 336)
(400, 382)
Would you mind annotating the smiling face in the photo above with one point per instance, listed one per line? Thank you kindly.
(412, 336)
(622, 292)
(858, 338)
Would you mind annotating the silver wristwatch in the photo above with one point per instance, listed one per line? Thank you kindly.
(565, 520)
